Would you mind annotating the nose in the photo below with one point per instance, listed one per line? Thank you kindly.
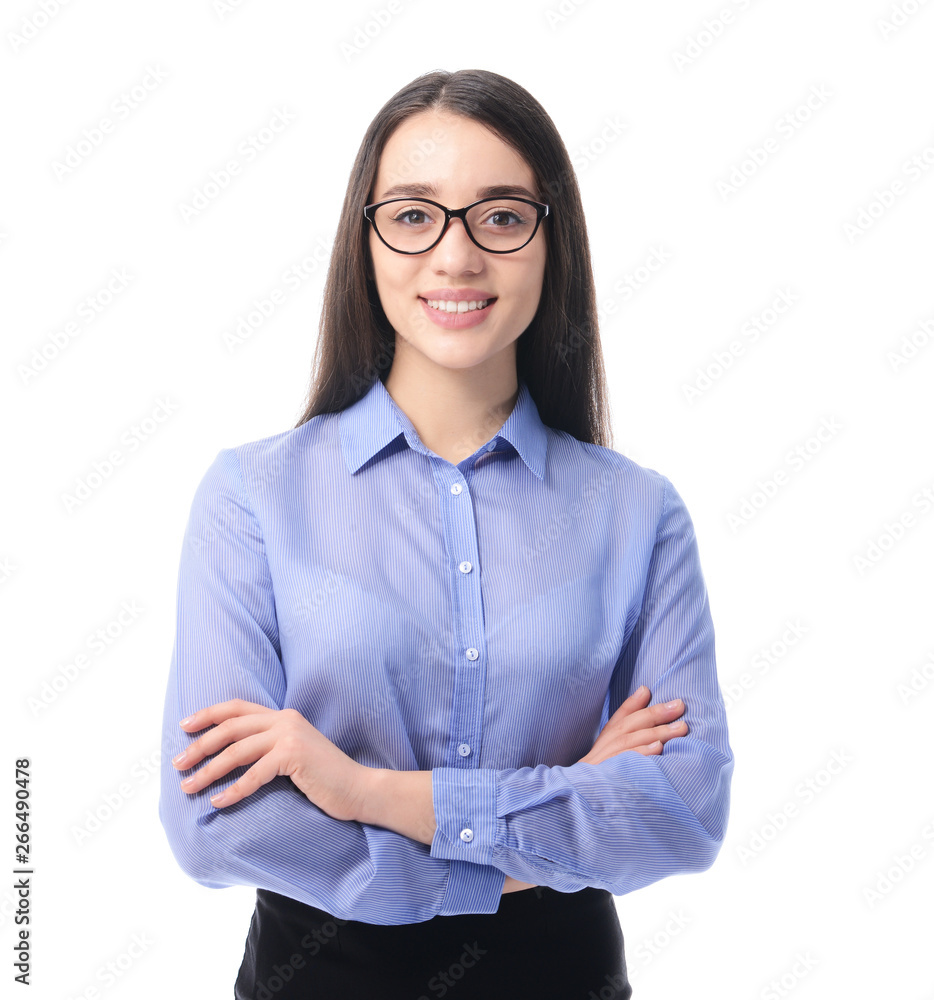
(455, 248)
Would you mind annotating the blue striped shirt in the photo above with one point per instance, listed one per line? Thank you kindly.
(480, 620)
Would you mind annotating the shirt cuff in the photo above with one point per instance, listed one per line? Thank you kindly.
(464, 801)
(472, 889)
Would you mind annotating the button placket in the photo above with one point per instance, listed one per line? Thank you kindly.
(469, 671)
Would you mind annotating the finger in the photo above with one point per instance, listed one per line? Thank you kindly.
(649, 750)
(263, 771)
(668, 730)
(641, 695)
(654, 715)
(665, 732)
(677, 727)
(222, 710)
(222, 735)
(237, 755)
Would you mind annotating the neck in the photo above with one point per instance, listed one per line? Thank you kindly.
(454, 411)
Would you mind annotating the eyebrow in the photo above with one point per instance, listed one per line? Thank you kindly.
(428, 190)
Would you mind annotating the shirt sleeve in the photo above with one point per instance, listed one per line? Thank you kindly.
(631, 819)
(227, 646)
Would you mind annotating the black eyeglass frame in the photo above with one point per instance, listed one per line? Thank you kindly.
(541, 209)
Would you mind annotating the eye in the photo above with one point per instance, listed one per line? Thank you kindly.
(408, 215)
(506, 216)
(412, 216)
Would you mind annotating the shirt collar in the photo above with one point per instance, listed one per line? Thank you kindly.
(375, 420)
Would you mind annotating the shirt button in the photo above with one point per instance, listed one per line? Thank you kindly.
(467, 835)
(465, 567)
(464, 750)
(456, 488)
(472, 654)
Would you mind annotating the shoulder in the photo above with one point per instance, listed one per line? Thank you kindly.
(606, 472)
(253, 469)
(635, 501)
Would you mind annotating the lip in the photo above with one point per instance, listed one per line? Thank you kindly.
(458, 294)
(456, 320)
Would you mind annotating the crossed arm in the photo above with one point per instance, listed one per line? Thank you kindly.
(622, 824)
(283, 742)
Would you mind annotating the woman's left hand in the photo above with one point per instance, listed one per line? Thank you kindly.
(280, 741)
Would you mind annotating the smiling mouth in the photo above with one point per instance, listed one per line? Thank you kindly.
(449, 306)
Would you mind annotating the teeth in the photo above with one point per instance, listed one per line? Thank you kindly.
(446, 305)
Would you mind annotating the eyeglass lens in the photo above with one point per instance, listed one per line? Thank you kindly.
(413, 226)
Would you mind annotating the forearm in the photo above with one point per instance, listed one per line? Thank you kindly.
(400, 801)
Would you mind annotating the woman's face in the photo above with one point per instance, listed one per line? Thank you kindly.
(459, 159)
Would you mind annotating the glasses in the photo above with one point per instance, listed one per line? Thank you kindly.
(497, 225)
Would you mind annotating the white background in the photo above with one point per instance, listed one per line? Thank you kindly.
(786, 909)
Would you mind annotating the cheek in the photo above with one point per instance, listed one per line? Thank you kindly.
(532, 291)
(387, 287)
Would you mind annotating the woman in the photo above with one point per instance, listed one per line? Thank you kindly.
(423, 627)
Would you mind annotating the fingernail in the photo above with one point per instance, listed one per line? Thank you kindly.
(218, 799)
(675, 725)
(673, 704)
(177, 760)
(185, 722)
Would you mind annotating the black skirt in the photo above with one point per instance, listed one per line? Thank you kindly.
(541, 944)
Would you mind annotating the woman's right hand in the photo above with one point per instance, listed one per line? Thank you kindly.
(513, 885)
(632, 726)
(635, 727)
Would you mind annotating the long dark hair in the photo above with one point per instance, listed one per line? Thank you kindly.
(558, 354)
